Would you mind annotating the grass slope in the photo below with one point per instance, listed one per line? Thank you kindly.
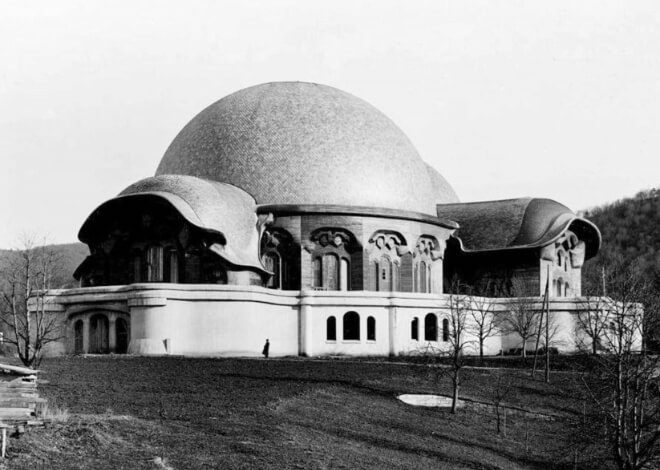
(247, 413)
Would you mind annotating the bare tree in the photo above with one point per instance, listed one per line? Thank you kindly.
(25, 279)
(522, 315)
(591, 323)
(624, 388)
(484, 321)
(459, 306)
(453, 343)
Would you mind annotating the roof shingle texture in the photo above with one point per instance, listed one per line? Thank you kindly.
(303, 143)
(513, 223)
(209, 205)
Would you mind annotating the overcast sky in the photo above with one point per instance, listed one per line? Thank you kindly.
(557, 99)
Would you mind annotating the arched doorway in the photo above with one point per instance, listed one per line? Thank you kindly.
(98, 334)
(122, 336)
(78, 345)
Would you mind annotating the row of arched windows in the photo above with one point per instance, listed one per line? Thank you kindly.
(430, 328)
(350, 328)
(560, 288)
(331, 272)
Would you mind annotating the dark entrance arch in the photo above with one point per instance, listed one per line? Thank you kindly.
(98, 334)
(78, 345)
(122, 336)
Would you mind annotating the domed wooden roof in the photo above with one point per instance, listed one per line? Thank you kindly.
(303, 143)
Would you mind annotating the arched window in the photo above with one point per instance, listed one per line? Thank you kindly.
(371, 329)
(430, 327)
(331, 272)
(271, 262)
(566, 289)
(445, 330)
(560, 285)
(331, 329)
(425, 253)
(351, 326)
(554, 287)
(78, 337)
(414, 329)
(560, 258)
(155, 263)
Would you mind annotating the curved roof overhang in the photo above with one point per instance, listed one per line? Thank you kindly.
(518, 224)
(231, 221)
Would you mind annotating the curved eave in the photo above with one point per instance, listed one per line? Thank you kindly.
(233, 257)
(363, 211)
(587, 231)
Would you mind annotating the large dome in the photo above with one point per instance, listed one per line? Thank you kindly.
(302, 143)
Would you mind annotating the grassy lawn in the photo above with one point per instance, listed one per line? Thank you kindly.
(188, 413)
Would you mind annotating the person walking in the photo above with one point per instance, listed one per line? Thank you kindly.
(266, 348)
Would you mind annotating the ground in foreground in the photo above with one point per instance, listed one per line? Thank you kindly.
(184, 413)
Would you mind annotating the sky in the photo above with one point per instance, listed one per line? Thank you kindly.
(557, 99)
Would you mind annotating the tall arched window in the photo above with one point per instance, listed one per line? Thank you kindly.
(351, 326)
(560, 285)
(430, 327)
(566, 289)
(445, 330)
(279, 256)
(331, 256)
(425, 253)
(155, 263)
(331, 329)
(414, 329)
(371, 329)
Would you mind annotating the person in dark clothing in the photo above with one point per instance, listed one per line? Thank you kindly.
(266, 348)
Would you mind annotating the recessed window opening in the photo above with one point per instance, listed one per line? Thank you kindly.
(351, 324)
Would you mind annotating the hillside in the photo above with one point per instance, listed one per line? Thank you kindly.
(69, 256)
(630, 233)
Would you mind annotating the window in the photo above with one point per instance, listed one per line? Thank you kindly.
(560, 284)
(566, 288)
(445, 330)
(155, 263)
(331, 329)
(343, 274)
(271, 262)
(136, 262)
(371, 329)
(78, 337)
(331, 272)
(414, 329)
(351, 326)
(174, 266)
(395, 277)
(430, 327)
(385, 274)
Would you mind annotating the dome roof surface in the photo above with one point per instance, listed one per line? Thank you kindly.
(303, 143)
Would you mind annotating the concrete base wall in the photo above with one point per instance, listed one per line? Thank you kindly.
(225, 320)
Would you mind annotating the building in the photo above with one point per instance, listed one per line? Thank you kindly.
(299, 213)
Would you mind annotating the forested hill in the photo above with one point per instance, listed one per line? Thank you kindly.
(631, 233)
(68, 255)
